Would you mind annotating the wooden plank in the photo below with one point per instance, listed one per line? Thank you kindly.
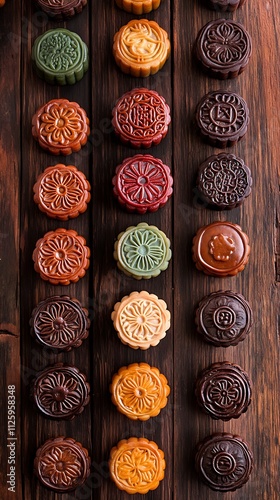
(259, 354)
(35, 428)
(10, 444)
(109, 83)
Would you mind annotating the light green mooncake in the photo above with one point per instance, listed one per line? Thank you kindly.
(142, 251)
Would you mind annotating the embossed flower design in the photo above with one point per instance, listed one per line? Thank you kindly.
(143, 182)
(61, 466)
(137, 467)
(225, 43)
(142, 319)
(139, 392)
(224, 392)
(144, 250)
(60, 255)
(61, 124)
(62, 191)
(58, 324)
(59, 393)
(221, 247)
(60, 127)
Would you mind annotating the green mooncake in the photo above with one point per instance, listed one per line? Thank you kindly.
(60, 57)
(142, 251)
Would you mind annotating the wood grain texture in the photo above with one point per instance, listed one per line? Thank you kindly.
(259, 353)
(181, 355)
(10, 165)
(109, 284)
(34, 225)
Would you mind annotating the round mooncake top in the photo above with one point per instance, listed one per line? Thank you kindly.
(61, 257)
(136, 465)
(223, 181)
(222, 118)
(60, 322)
(223, 47)
(62, 192)
(141, 47)
(141, 118)
(61, 392)
(221, 249)
(141, 320)
(60, 56)
(60, 127)
(62, 464)
(223, 462)
(142, 251)
(142, 184)
(139, 391)
(223, 391)
(224, 318)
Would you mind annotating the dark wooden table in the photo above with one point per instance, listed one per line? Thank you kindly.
(181, 354)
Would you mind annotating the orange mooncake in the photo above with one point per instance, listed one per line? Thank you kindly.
(136, 465)
(138, 7)
(139, 391)
(141, 47)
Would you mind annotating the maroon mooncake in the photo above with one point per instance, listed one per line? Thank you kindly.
(141, 118)
(142, 184)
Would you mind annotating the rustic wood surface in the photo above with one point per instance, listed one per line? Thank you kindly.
(181, 354)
